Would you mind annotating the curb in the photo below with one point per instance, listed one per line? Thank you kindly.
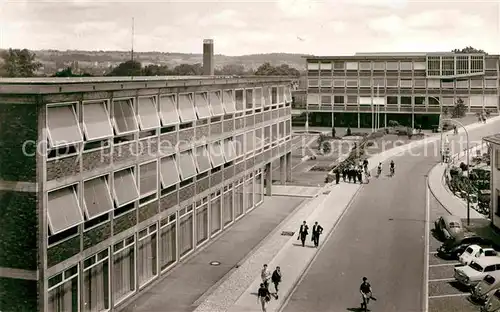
(431, 190)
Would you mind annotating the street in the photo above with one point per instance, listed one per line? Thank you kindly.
(382, 236)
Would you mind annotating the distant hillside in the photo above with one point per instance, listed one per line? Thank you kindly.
(93, 61)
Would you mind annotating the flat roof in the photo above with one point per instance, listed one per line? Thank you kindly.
(39, 85)
(392, 55)
(495, 139)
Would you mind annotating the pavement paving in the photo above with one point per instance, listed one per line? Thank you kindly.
(294, 190)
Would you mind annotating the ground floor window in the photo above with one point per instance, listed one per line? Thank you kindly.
(227, 206)
(239, 204)
(249, 189)
(96, 283)
(185, 230)
(215, 212)
(498, 202)
(63, 291)
(147, 254)
(123, 269)
(201, 221)
(168, 241)
(258, 193)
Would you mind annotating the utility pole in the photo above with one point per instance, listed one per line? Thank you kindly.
(132, 43)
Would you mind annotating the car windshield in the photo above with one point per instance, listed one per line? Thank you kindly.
(476, 267)
(497, 294)
(489, 279)
(469, 250)
(454, 225)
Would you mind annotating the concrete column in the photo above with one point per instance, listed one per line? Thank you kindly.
(288, 169)
(282, 170)
(412, 121)
(385, 120)
(359, 121)
(269, 178)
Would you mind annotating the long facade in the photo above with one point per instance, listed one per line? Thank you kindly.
(106, 184)
(411, 88)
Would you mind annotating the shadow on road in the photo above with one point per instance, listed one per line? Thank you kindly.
(357, 309)
(459, 286)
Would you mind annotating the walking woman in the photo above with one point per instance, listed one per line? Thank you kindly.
(264, 296)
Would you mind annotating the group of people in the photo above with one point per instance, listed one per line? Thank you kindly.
(317, 230)
(359, 173)
(264, 294)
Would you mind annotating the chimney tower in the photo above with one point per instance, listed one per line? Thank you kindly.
(208, 57)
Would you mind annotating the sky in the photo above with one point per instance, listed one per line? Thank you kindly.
(328, 27)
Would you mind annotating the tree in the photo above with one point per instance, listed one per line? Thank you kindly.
(468, 49)
(128, 68)
(155, 70)
(232, 69)
(187, 70)
(68, 72)
(267, 69)
(459, 109)
(19, 63)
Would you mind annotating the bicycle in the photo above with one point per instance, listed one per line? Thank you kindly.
(366, 300)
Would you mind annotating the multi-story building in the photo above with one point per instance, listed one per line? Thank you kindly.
(107, 183)
(411, 88)
(494, 146)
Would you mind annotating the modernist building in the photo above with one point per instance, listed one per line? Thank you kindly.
(411, 88)
(106, 184)
(494, 145)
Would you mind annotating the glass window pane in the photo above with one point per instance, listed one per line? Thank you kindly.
(123, 273)
(186, 165)
(168, 248)
(63, 126)
(63, 211)
(228, 101)
(201, 104)
(258, 97)
(168, 110)
(148, 180)
(202, 159)
(216, 154)
(239, 99)
(216, 103)
(125, 188)
(169, 173)
(96, 121)
(186, 108)
(124, 116)
(229, 150)
(97, 197)
(146, 259)
(185, 234)
(96, 288)
(250, 141)
(148, 114)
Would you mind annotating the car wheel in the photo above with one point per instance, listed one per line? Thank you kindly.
(458, 254)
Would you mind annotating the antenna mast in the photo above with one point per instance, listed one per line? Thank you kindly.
(132, 50)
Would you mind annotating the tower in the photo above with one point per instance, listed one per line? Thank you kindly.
(208, 57)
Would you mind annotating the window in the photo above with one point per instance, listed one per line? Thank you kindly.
(186, 107)
(338, 99)
(216, 103)
(239, 204)
(392, 65)
(477, 64)
(148, 179)
(340, 83)
(239, 99)
(364, 82)
(338, 65)
(406, 66)
(326, 99)
(462, 84)
(249, 189)
(96, 282)
(313, 83)
(148, 113)
(462, 64)
(96, 121)
(63, 291)
(267, 135)
(405, 83)
(123, 269)
(392, 83)
(313, 99)
(229, 150)
(420, 100)
(434, 66)
(186, 231)
(250, 142)
(249, 98)
(431, 100)
(169, 174)
(351, 83)
(447, 65)
(202, 159)
(326, 83)
(62, 126)
(201, 105)
(96, 197)
(168, 110)
(227, 206)
(215, 213)
(419, 65)
(63, 210)
(490, 83)
(202, 221)
(259, 142)
(125, 188)
(476, 83)
(312, 66)
(228, 102)
(406, 100)
(168, 239)
(325, 66)
(378, 65)
(186, 165)
(378, 82)
(274, 95)
(216, 154)
(351, 65)
(258, 97)
(419, 83)
(147, 255)
(491, 63)
(433, 84)
(124, 116)
(392, 100)
(365, 65)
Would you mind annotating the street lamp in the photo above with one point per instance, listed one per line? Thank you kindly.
(467, 156)
(440, 127)
(375, 112)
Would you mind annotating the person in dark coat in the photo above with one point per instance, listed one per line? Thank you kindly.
(344, 174)
(303, 232)
(317, 230)
(276, 279)
(360, 176)
(337, 175)
(263, 296)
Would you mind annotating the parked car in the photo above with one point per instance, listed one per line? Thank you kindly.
(447, 227)
(454, 248)
(493, 303)
(472, 274)
(473, 252)
(485, 288)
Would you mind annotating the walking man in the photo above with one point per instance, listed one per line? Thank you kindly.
(263, 296)
(303, 231)
(276, 279)
(337, 175)
(265, 275)
(316, 232)
(344, 173)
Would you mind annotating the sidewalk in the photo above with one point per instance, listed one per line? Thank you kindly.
(190, 281)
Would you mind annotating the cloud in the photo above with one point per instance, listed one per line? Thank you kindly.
(297, 8)
(224, 18)
(389, 24)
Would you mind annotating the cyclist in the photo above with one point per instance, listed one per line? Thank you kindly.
(379, 169)
(366, 293)
(392, 167)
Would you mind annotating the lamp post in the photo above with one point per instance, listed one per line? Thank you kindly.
(467, 160)
(441, 130)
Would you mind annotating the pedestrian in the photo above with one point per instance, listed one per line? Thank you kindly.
(303, 231)
(455, 131)
(264, 296)
(276, 279)
(367, 177)
(351, 174)
(316, 232)
(265, 275)
(344, 173)
(360, 176)
(337, 175)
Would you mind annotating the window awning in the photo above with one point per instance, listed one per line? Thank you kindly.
(202, 159)
(63, 210)
(148, 179)
(229, 150)
(228, 101)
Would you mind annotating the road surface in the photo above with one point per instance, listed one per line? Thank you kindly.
(381, 237)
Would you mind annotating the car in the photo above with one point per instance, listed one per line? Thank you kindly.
(493, 303)
(470, 275)
(454, 248)
(485, 288)
(447, 227)
(474, 252)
